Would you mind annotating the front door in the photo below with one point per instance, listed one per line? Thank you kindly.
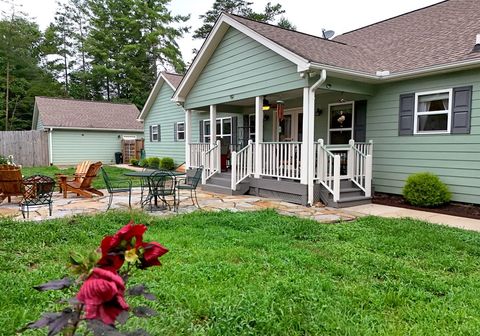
(291, 127)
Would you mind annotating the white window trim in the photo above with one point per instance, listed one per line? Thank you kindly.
(351, 102)
(250, 126)
(221, 135)
(178, 132)
(448, 112)
(155, 131)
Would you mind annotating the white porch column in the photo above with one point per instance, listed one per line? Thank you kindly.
(188, 137)
(258, 135)
(311, 147)
(305, 138)
(213, 125)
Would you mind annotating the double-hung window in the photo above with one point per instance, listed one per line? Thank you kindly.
(180, 131)
(155, 133)
(433, 112)
(223, 128)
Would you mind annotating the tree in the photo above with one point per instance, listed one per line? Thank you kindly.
(127, 41)
(243, 8)
(19, 65)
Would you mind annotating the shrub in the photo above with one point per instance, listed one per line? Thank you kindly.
(143, 163)
(154, 162)
(167, 163)
(134, 162)
(425, 190)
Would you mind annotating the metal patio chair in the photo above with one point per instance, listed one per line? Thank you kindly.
(37, 190)
(115, 186)
(190, 183)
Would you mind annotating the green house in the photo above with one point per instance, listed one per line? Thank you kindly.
(334, 119)
(85, 130)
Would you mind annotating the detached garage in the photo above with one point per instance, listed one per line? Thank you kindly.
(85, 130)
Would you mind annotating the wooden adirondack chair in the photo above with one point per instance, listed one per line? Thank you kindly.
(11, 183)
(83, 188)
(78, 176)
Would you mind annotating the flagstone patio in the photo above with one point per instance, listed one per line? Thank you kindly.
(208, 201)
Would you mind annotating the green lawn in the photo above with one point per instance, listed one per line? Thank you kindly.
(265, 274)
(98, 183)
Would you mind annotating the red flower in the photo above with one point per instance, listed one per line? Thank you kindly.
(151, 252)
(127, 233)
(113, 247)
(103, 296)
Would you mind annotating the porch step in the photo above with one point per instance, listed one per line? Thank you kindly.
(242, 188)
(221, 180)
(221, 184)
(350, 195)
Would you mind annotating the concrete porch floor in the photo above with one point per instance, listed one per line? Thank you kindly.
(74, 205)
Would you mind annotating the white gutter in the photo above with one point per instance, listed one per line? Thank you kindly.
(311, 131)
(50, 146)
(96, 129)
(316, 85)
(397, 75)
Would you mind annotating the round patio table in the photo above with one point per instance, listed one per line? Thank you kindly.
(147, 173)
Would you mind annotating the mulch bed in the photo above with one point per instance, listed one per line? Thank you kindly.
(453, 208)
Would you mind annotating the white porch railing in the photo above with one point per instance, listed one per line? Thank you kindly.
(327, 170)
(211, 162)
(242, 164)
(281, 159)
(196, 150)
(361, 157)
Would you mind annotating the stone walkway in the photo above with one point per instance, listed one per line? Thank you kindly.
(208, 201)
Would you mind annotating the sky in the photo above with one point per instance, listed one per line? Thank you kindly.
(309, 16)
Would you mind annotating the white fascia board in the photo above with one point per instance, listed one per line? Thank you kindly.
(399, 75)
(212, 41)
(433, 70)
(94, 129)
(35, 115)
(152, 96)
(343, 71)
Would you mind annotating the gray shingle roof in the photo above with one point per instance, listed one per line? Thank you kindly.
(58, 112)
(439, 34)
(174, 79)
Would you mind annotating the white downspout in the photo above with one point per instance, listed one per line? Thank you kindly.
(50, 146)
(311, 132)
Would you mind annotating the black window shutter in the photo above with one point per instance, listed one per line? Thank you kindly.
(200, 126)
(360, 122)
(234, 132)
(461, 110)
(158, 133)
(175, 134)
(151, 131)
(246, 129)
(406, 114)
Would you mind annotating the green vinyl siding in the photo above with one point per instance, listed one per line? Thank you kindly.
(39, 125)
(71, 147)
(242, 68)
(455, 158)
(166, 113)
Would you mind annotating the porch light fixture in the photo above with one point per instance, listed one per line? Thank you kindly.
(266, 104)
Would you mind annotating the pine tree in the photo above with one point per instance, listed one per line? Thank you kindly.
(243, 8)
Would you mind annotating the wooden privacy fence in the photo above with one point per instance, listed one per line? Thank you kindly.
(29, 148)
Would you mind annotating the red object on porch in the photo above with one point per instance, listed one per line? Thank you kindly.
(223, 162)
(280, 110)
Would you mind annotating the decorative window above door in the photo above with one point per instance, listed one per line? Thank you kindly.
(340, 123)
